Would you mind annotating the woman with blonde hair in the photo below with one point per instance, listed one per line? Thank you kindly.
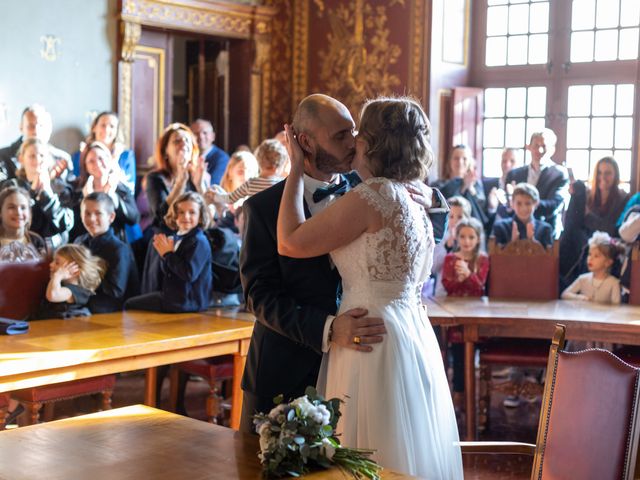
(381, 241)
(241, 167)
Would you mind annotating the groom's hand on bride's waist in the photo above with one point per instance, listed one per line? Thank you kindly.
(353, 329)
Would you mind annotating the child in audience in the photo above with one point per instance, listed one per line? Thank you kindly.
(75, 276)
(459, 208)
(121, 278)
(17, 243)
(241, 167)
(523, 225)
(598, 285)
(465, 271)
(271, 157)
(185, 260)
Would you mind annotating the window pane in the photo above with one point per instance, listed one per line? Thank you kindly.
(624, 100)
(583, 14)
(629, 13)
(581, 47)
(514, 132)
(628, 44)
(493, 133)
(606, 45)
(496, 51)
(578, 133)
(497, 2)
(624, 132)
(494, 102)
(538, 49)
(533, 125)
(518, 19)
(518, 1)
(578, 161)
(623, 157)
(579, 101)
(539, 18)
(602, 133)
(537, 101)
(517, 50)
(516, 102)
(603, 100)
(607, 13)
(491, 158)
(497, 21)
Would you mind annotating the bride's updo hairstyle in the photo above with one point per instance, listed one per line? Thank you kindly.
(397, 132)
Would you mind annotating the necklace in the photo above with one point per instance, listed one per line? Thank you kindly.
(596, 285)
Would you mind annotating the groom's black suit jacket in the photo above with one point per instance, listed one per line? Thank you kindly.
(290, 298)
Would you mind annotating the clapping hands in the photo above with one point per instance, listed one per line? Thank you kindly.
(462, 270)
(163, 244)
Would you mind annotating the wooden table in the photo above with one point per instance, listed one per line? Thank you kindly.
(485, 317)
(136, 442)
(55, 351)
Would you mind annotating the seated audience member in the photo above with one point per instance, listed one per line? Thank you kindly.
(17, 242)
(550, 178)
(465, 271)
(75, 275)
(185, 261)
(271, 157)
(104, 129)
(241, 167)
(523, 225)
(598, 285)
(34, 123)
(592, 209)
(51, 216)
(498, 190)
(121, 277)
(462, 180)
(634, 201)
(99, 173)
(459, 208)
(630, 233)
(178, 170)
(215, 158)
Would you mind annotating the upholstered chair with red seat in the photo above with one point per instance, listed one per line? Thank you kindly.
(21, 293)
(215, 371)
(584, 430)
(523, 270)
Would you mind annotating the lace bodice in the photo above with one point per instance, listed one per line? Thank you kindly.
(392, 263)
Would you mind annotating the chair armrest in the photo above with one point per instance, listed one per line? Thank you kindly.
(516, 448)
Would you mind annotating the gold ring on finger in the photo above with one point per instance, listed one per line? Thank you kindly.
(357, 340)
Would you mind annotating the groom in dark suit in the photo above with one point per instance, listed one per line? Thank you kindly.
(295, 300)
(551, 179)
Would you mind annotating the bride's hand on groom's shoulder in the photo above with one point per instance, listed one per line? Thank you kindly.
(353, 329)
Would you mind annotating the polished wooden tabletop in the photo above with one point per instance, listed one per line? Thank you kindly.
(106, 339)
(136, 442)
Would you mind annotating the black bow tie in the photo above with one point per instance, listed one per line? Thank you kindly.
(335, 189)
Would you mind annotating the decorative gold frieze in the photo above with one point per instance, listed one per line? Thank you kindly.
(131, 32)
(300, 52)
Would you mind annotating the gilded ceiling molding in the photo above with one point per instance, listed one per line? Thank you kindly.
(300, 52)
(204, 16)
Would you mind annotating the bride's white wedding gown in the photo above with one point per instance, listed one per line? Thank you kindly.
(397, 397)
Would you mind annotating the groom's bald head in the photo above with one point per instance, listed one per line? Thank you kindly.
(316, 111)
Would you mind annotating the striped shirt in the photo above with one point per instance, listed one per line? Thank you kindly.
(248, 188)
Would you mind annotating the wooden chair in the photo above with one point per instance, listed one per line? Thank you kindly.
(584, 430)
(522, 269)
(20, 298)
(4, 408)
(215, 371)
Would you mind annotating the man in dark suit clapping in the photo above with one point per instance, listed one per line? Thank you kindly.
(550, 178)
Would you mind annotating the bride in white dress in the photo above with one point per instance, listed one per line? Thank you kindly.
(397, 396)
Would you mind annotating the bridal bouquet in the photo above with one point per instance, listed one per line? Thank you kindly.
(296, 436)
